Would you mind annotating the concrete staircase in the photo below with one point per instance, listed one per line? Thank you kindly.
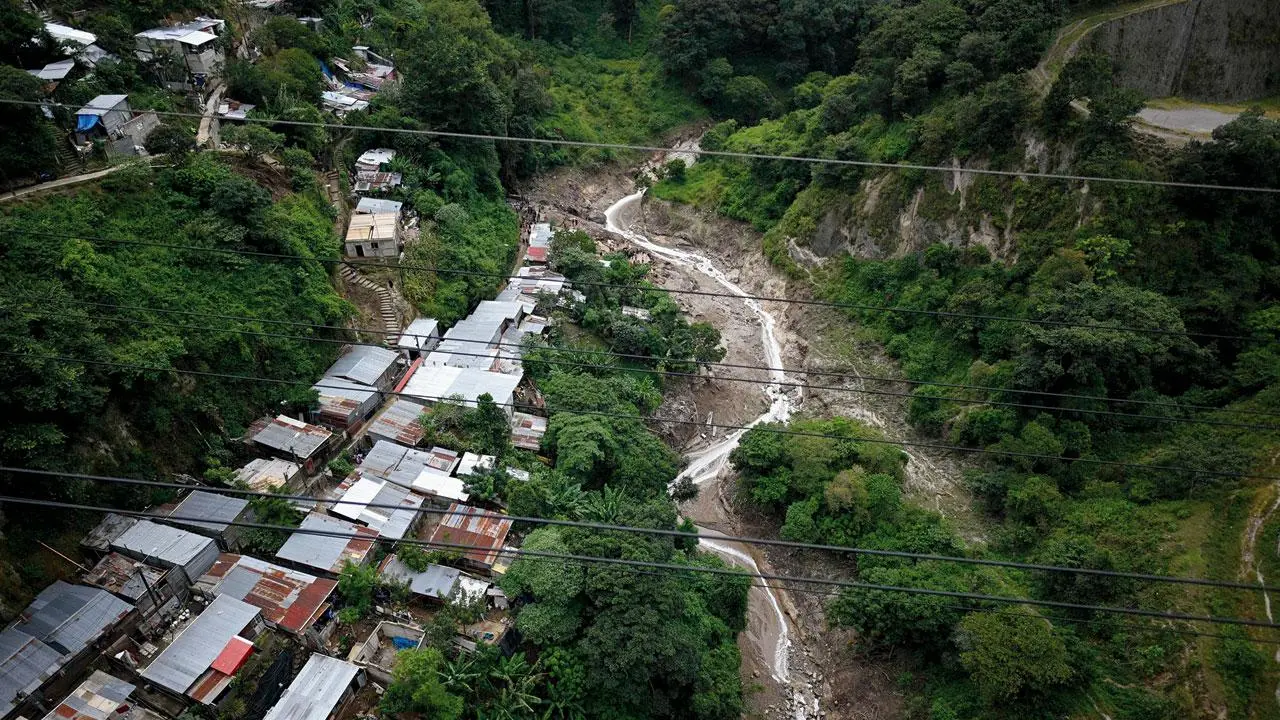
(386, 301)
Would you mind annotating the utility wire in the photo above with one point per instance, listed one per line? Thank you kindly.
(650, 358)
(520, 552)
(681, 374)
(739, 539)
(643, 289)
(952, 170)
(645, 418)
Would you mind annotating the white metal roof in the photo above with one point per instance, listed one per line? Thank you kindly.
(102, 104)
(376, 156)
(316, 691)
(264, 473)
(436, 382)
(199, 644)
(433, 483)
(64, 33)
(55, 70)
(375, 206)
(419, 333)
(472, 462)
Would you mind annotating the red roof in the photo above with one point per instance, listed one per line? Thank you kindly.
(537, 254)
(233, 656)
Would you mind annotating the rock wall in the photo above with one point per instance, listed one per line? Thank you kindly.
(1206, 50)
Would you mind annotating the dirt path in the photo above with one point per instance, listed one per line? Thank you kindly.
(1264, 508)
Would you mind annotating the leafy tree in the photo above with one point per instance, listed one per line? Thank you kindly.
(356, 584)
(172, 140)
(1011, 656)
(488, 427)
(255, 139)
(416, 687)
(27, 143)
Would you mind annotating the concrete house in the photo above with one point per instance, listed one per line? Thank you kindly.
(373, 235)
(193, 46)
(422, 336)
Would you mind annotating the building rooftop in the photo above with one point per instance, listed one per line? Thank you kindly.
(378, 206)
(101, 697)
(197, 32)
(372, 226)
(102, 104)
(283, 433)
(527, 430)
(368, 180)
(112, 526)
(265, 473)
(430, 482)
(419, 333)
(54, 70)
(540, 235)
(364, 364)
(192, 653)
(288, 599)
(437, 581)
(467, 525)
(399, 420)
(376, 157)
(402, 465)
(328, 552)
(340, 397)
(472, 462)
(218, 510)
(168, 547)
(436, 382)
(394, 524)
(64, 33)
(316, 691)
(120, 574)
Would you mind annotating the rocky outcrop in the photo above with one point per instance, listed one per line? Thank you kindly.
(1206, 50)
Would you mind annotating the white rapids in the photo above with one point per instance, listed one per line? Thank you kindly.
(707, 463)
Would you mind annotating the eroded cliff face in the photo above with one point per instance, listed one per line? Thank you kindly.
(1206, 50)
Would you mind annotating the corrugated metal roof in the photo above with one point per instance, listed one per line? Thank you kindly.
(437, 581)
(288, 599)
(402, 465)
(120, 574)
(97, 698)
(430, 482)
(540, 235)
(431, 383)
(345, 400)
(218, 509)
(111, 527)
(375, 206)
(527, 430)
(25, 664)
(317, 690)
(472, 462)
(325, 552)
(399, 422)
(265, 473)
(102, 104)
(70, 617)
(233, 656)
(419, 334)
(364, 364)
(298, 439)
(364, 227)
(199, 644)
(467, 525)
(168, 547)
(389, 523)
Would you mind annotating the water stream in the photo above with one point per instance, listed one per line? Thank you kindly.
(706, 463)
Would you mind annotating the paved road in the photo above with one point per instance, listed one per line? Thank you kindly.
(59, 183)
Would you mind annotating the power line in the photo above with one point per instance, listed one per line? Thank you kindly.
(739, 539)
(847, 584)
(645, 418)
(692, 375)
(952, 170)
(644, 289)
(739, 366)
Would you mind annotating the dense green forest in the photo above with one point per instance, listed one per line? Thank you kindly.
(928, 81)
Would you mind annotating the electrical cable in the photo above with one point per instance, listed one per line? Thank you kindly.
(520, 552)
(951, 170)
(645, 418)
(739, 366)
(739, 539)
(642, 289)
(692, 375)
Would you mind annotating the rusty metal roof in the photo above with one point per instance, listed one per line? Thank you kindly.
(288, 599)
(467, 525)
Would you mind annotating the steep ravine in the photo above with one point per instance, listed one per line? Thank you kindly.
(690, 249)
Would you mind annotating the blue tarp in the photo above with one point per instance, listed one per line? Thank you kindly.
(84, 123)
(403, 643)
(325, 69)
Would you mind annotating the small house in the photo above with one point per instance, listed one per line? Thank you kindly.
(395, 510)
(481, 531)
(289, 600)
(205, 656)
(100, 697)
(369, 181)
(371, 366)
(433, 384)
(103, 116)
(345, 404)
(399, 422)
(373, 159)
(402, 465)
(168, 547)
(321, 690)
(422, 336)
(342, 542)
(156, 592)
(340, 103)
(193, 47)
(303, 443)
(437, 582)
(539, 243)
(54, 637)
(217, 513)
(373, 235)
(527, 431)
(264, 474)
(472, 463)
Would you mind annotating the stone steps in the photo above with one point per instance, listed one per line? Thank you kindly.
(386, 302)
